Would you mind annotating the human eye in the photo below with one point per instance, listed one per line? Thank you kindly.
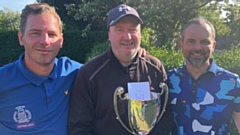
(34, 33)
(119, 30)
(52, 34)
(133, 30)
(205, 42)
(190, 41)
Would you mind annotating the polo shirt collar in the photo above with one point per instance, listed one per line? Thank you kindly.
(36, 79)
(211, 69)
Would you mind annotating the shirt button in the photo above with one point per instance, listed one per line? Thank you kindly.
(194, 91)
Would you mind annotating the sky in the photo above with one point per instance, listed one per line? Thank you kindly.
(18, 5)
(15, 5)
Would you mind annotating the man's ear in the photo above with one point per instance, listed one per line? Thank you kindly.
(108, 34)
(181, 43)
(61, 41)
(214, 44)
(20, 38)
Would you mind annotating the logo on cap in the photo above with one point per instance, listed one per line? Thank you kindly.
(120, 11)
(124, 7)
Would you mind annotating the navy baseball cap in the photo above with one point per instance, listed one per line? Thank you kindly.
(119, 12)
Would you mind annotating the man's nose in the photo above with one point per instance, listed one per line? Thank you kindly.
(45, 39)
(127, 35)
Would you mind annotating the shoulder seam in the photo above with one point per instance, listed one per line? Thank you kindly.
(103, 65)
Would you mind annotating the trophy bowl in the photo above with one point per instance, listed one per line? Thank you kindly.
(142, 114)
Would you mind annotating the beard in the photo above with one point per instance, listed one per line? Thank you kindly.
(197, 62)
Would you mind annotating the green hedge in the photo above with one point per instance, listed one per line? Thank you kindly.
(229, 59)
(75, 46)
(9, 47)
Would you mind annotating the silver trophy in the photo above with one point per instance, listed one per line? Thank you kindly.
(142, 114)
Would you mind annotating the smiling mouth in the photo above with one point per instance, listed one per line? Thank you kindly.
(128, 44)
(43, 50)
(196, 55)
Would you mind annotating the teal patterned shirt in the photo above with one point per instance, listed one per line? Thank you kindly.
(203, 106)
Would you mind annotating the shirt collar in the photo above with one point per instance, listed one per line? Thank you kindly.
(36, 79)
(211, 69)
(113, 57)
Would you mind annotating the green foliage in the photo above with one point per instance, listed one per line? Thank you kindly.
(76, 47)
(93, 14)
(69, 22)
(147, 38)
(10, 49)
(234, 130)
(233, 20)
(9, 20)
(229, 59)
(170, 58)
(167, 17)
(97, 49)
(164, 17)
(213, 12)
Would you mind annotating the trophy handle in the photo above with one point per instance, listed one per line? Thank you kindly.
(164, 88)
(118, 92)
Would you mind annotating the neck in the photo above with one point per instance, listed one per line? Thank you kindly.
(125, 63)
(41, 70)
(196, 72)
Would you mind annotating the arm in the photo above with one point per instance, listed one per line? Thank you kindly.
(81, 110)
(236, 117)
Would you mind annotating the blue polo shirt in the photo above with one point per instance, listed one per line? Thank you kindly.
(203, 106)
(35, 105)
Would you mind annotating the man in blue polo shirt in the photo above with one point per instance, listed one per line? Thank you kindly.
(204, 97)
(35, 89)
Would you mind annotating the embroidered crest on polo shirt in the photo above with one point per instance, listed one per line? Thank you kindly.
(22, 117)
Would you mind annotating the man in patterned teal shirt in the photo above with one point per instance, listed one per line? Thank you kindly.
(204, 97)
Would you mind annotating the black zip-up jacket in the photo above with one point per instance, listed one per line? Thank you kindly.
(91, 105)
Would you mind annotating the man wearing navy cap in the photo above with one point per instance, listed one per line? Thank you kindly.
(91, 106)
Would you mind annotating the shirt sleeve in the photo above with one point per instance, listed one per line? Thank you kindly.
(236, 106)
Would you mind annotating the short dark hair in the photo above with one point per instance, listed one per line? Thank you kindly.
(199, 21)
(35, 9)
